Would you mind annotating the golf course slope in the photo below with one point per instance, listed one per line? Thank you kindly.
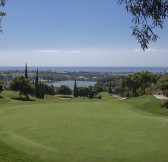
(83, 130)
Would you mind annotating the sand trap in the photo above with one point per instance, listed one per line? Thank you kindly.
(161, 97)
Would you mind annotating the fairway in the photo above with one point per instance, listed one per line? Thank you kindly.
(80, 130)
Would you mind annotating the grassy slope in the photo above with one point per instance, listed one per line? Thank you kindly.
(82, 130)
(148, 104)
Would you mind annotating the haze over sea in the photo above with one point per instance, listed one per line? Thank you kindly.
(89, 69)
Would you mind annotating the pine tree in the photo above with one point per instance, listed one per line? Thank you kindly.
(75, 90)
(110, 89)
(37, 84)
(26, 74)
(42, 91)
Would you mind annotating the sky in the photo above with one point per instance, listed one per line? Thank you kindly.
(74, 33)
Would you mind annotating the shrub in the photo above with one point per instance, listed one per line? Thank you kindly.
(99, 97)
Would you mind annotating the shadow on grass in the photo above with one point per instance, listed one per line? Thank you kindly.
(165, 105)
(1, 97)
(23, 99)
(66, 97)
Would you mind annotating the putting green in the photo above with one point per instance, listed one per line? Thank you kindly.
(91, 131)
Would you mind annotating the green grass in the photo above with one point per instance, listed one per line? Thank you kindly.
(83, 130)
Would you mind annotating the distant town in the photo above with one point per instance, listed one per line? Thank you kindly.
(50, 76)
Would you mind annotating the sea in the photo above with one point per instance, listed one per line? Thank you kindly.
(89, 69)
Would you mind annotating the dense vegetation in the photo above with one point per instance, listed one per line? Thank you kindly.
(137, 84)
(140, 82)
(129, 85)
(163, 84)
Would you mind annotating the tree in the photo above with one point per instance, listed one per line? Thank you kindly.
(2, 4)
(64, 90)
(97, 88)
(1, 86)
(139, 81)
(23, 85)
(132, 82)
(75, 92)
(147, 15)
(110, 89)
(26, 74)
(48, 89)
(37, 85)
(91, 94)
(148, 78)
(83, 91)
(41, 90)
(163, 84)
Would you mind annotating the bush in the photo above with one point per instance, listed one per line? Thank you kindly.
(140, 91)
(150, 90)
(99, 97)
(165, 105)
(127, 94)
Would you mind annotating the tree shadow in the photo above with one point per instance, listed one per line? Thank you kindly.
(23, 99)
(1, 97)
(66, 97)
(165, 105)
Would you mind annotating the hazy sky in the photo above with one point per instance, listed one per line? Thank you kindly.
(74, 33)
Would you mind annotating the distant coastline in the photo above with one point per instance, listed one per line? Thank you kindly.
(89, 69)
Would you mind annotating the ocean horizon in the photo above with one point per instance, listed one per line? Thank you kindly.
(87, 69)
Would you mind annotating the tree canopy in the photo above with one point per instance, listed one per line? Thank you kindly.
(163, 84)
(23, 85)
(83, 91)
(64, 90)
(147, 15)
(2, 4)
(49, 89)
(139, 80)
